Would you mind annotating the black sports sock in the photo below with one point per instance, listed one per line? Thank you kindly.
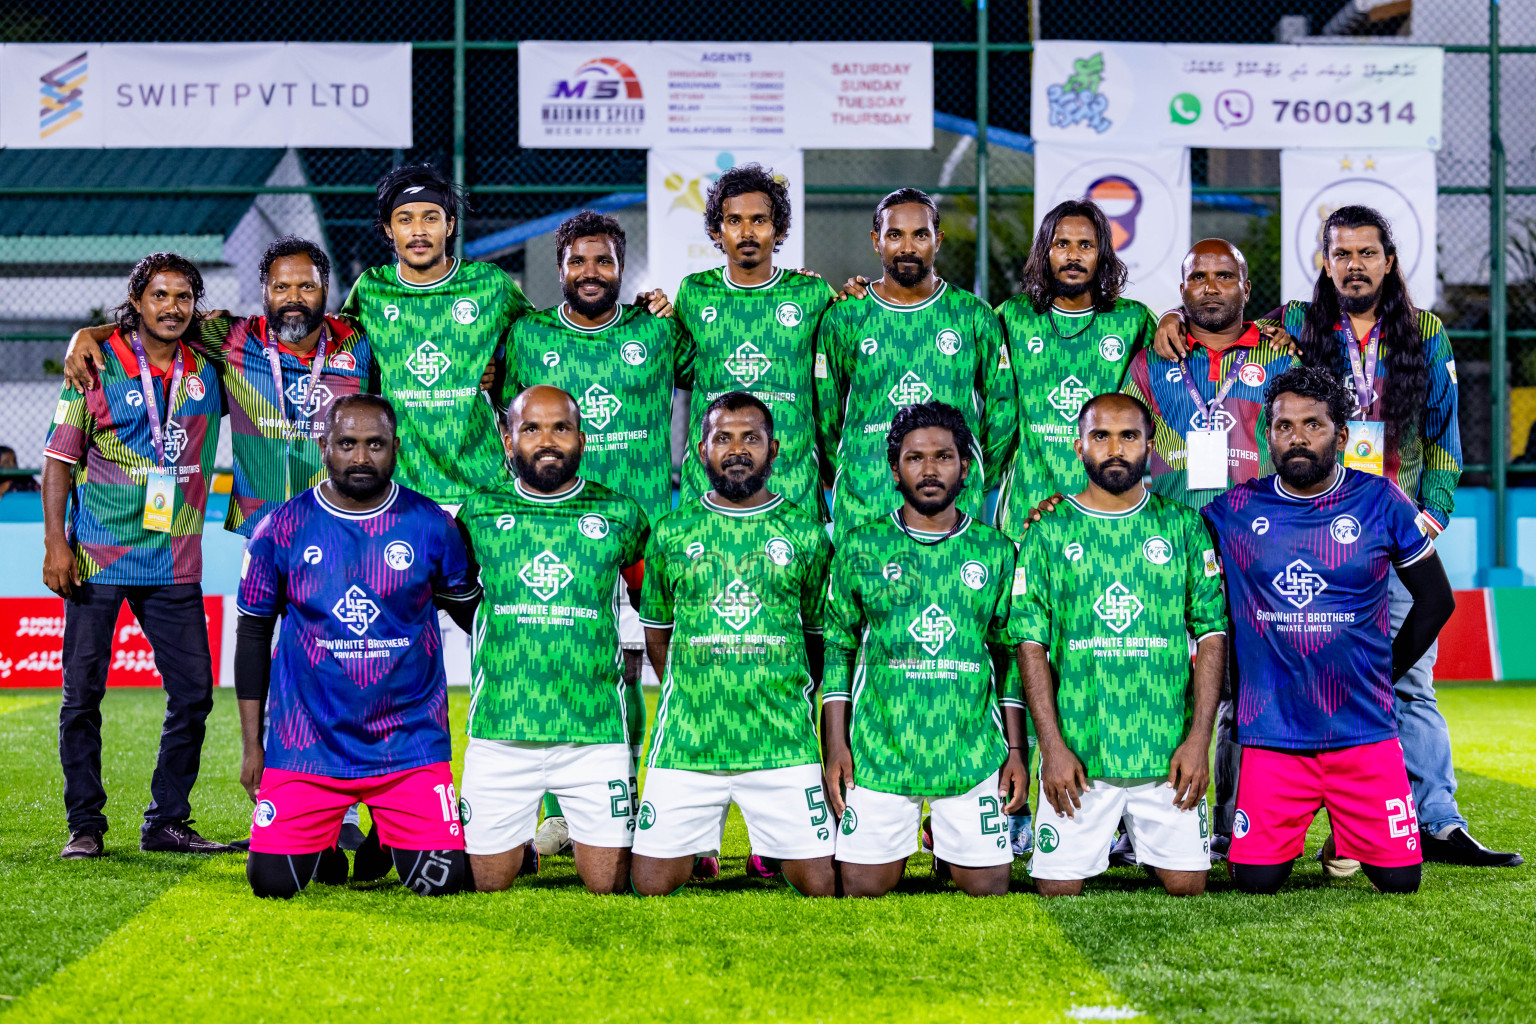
(1394, 880)
(332, 869)
(280, 875)
(371, 862)
(431, 872)
(1261, 879)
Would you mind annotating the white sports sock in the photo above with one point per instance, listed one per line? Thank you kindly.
(1445, 832)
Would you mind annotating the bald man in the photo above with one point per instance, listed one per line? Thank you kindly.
(549, 709)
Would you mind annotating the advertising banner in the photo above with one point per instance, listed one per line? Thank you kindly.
(177, 95)
(1237, 96)
(32, 643)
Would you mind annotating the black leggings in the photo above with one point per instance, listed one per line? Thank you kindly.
(427, 872)
(1266, 879)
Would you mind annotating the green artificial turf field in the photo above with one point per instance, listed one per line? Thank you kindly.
(168, 938)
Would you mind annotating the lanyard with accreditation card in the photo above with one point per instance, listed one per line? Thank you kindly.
(1205, 462)
(1367, 437)
(160, 480)
(276, 363)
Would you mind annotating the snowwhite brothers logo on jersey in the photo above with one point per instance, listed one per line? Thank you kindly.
(545, 575)
(599, 406)
(932, 629)
(356, 610)
(428, 363)
(736, 604)
(910, 390)
(1298, 583)
(747, 364)
(1118, 607)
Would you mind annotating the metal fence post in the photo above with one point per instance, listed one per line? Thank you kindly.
(983, 235)
(459, 18)
(1497, 337)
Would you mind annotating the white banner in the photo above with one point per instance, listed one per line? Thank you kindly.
(1400, 184)
(677, 180)
(1146, 197)
(1237, 96)
(176, 95)
(638, 95)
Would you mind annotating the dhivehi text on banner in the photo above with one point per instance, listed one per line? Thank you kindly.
(639, 95)
(677, 180)
(1145, 194)
(174, 95)
(1237, 96)
(1400, 184)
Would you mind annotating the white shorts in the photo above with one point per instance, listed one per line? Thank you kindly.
(504, 783)
(683, 812)
(1165, 837)
(969, 830)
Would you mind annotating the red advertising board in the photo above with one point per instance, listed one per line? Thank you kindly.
(32, 640)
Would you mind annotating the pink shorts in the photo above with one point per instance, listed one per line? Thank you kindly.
(1364, 788)
(414, 809)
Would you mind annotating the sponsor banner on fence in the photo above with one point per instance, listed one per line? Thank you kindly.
(677, 180)
(171, 95)
(1237, 96)
(639, 95)
(32, 643)
(1398, 183)
(1145, 194)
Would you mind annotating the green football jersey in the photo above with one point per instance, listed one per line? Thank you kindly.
(762, 339)
(910, 617)
(621, 375)
(739, 588)
(874, 357)
(546, 665)
(1060, 360)
(431, 344)
(1114, 598)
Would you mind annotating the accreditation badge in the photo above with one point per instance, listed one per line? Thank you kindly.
(1206, 460)
(159, 501)
(1367, 445)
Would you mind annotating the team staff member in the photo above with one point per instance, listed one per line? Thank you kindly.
(125, 487)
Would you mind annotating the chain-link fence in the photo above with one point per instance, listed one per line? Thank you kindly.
(74, 221)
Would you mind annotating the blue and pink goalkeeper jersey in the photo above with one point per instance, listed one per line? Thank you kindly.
(1307, 583)
(357, 685)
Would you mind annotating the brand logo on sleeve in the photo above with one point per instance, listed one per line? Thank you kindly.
(910, 390)
(1067, 398)
(1118, 607)
(599, 406)
(356, 610)
(948, 341)
(932, 629)
(789, 314)
(398, 555)
(820, 365)
(592, 525)
(974, 575)
(466, 311)
(1298, 583)
(633, 353)
(736, 604)
(747, 364)
(1212, 564)
(428, 363)
(545, 575)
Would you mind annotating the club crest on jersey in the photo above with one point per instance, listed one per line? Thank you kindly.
(891, 571)
(506, 521)
(1157, 550)
(1345, 529)
(134, 397)
(1048, 839)
(1118, 607)
(709, 314)
(1298, 583)
(1073, 552)
(313, 554)
(789, 314)
(932, 629)
(1036, 345)
(428, 363)
(647, 815)
(736, 604)
(1252, 374)
(779, 551)
(599, 406)
(948, 341)
(464, 810)
(307, 401)
(1220, 420)
(1068, 397)
(398, 555)
(195, 389)
(694, 550)
(551, 359)
(266, 814)
(545, 575)
(391, 312)
(973, 575)
(747, 364)
(869, 346)
(1112, 347)
(356, 610)
(850, 822)
(1240, 823)
(342, 361)
(910, 390)
(633, 353)
(466, 311)
(592, 525)
(1261, 525)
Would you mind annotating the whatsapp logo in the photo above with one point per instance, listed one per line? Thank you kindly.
(1184, 108)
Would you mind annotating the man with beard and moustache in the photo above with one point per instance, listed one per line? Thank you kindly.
(912, 339)
(1114, 585)
(549, 705)
(735, 585)
(358, 697)
(751, 325)
(125, 488)
(917, 626)
(1308, 554)
(619, 362)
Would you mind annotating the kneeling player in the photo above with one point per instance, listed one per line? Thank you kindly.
(1308, 553)
(359, 702)
(1115, 582)
(917, 617)
(548, 701)
(735, 582)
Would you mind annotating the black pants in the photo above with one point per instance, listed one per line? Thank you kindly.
(1229, 755)
(172, 618)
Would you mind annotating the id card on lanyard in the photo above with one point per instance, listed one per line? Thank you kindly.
(301, 407)
(1205, 462)
(160, 481)
(1367, 436)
